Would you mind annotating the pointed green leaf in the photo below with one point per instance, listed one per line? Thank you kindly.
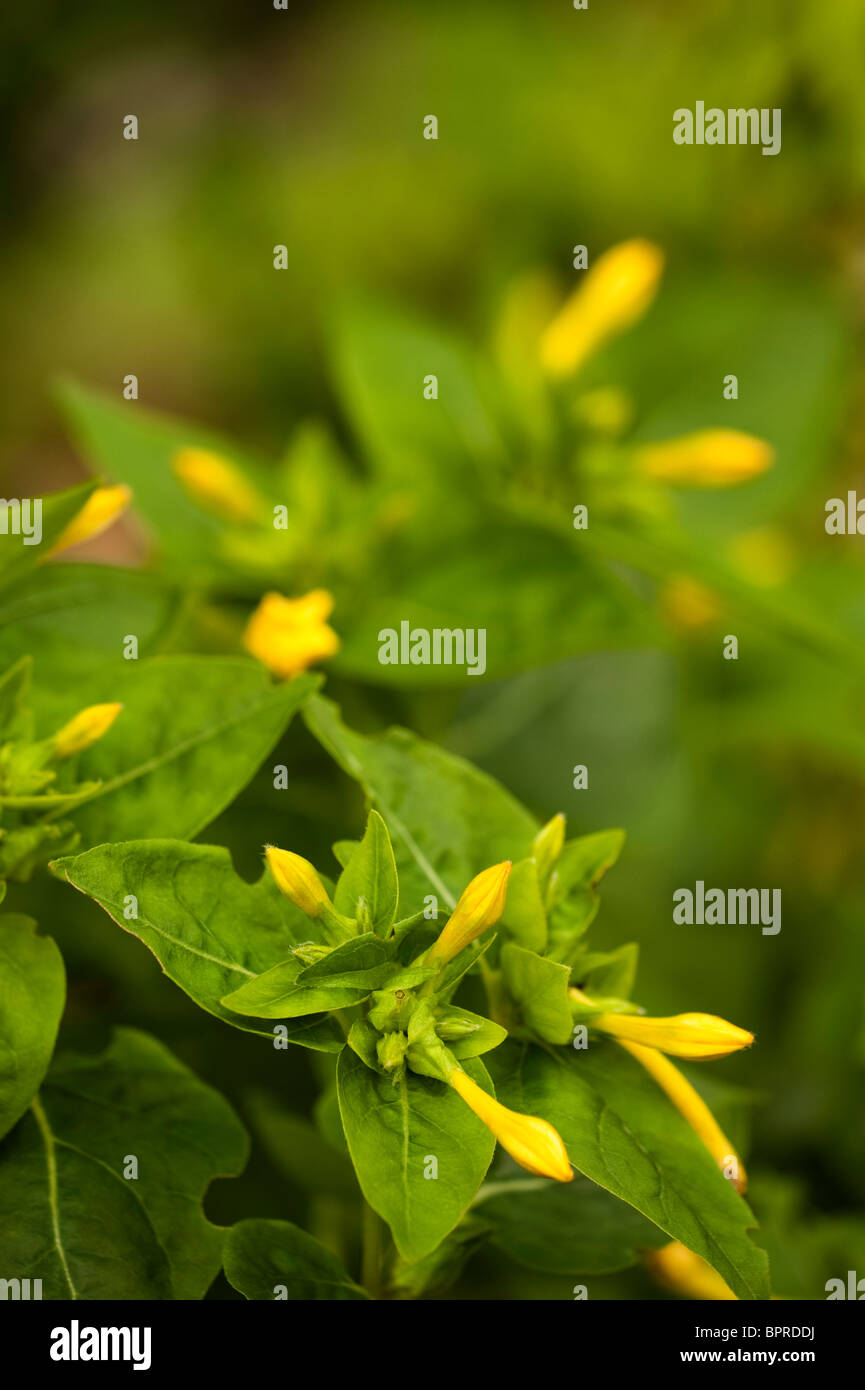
(447, 819)
(370, 878)
(207, 927)
(267, 1260)
(395, 1131)
(539, 989)
(32, 995)
(101, 1183)
(622, 1132)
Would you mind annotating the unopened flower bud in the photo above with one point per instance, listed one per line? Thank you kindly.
(480, 907)
(531, 1142)
(84, 729)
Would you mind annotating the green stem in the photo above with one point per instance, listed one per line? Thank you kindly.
(373, 1252)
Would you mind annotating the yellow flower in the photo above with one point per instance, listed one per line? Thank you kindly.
(298, 880)
(708, 458)
(691, 1105)
(533, 1143)
(684, 1272)
(101, 508)
(613, 295)
(687, 603)
(217, 485)
(84, 729)
(480, 906)
(289, 635)
(698, 1037)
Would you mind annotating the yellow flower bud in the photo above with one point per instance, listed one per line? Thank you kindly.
(681, 1271)
(698, 1037)
(709, 458)
(298, 880)
(84, 729)
(687, 603)
(289, 635)
(217, 485)
(613, 295)
(691, 1105)
(532, 1142)
(101, 508)
(480, 906)
(547, 844)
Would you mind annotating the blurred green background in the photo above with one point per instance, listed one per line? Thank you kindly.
(260, 127)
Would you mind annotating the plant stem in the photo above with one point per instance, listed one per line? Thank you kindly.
(373, 1252)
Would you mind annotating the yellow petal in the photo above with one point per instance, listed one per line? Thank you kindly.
(613, 295)
(698, 1037)
(678, 1268)
(532, 1142)
(84, 729)
(479, 907)
(101, 508)
(691, 1105)
(297, 879)
(709, 458)
(290, 635)
(217, 485)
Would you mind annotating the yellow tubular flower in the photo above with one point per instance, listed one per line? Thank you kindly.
(217, 485)
(709, 458)
(613, 295)
(289, 635)
(533, 1143)
(84, 729)
(101, 508)
(691, 1105)
(682, 1271)
(697, 1037)
(298, 880)
(480, 906)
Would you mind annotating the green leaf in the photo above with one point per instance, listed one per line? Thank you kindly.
(192, 733)
(207, 927)
(58, 509)
(266, 1260)
(136, 446)
(32, 995)
(393, 1131)
(368, 884)
(605, 973)
(447, 819)
(485, 1035)
(75, 619)
(565, 1228)
(524, 916)
(343, 977)
(539, 988)
(71, 1216)
(382, 357)
(623, 1133)
(572, 896)
(14, 689)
